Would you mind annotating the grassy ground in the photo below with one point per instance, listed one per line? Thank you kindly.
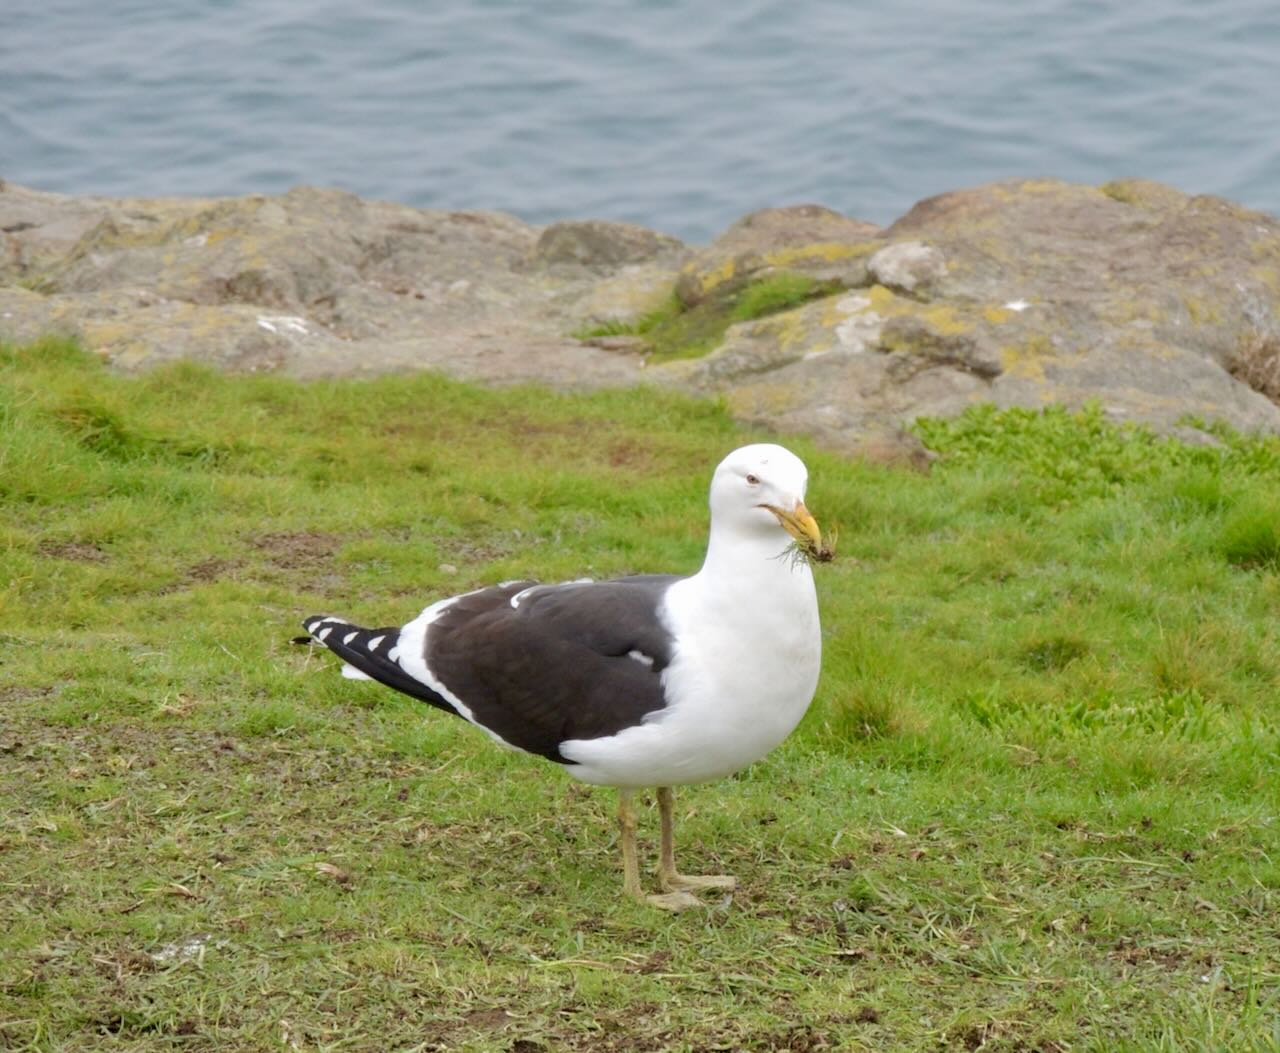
(1033, 807)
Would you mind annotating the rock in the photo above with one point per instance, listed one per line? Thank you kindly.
(597, 243)
(806, 239)
(38, 229)
(627, 295)
(907, 266)
(1158, 305)
(620, 344)
(915, 344)
(312, 283)
(770, 229)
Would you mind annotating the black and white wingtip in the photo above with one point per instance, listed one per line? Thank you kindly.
(370, 654)
(359, 647)
(322, 626)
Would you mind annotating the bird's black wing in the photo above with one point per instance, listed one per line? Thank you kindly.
(540, 665)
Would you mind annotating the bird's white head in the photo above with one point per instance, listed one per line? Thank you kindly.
(758, 491)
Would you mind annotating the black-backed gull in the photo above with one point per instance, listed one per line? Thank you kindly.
(650, 680)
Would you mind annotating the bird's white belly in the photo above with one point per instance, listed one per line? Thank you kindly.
(734, 697)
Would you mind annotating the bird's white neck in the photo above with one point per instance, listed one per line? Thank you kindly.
(758, 567)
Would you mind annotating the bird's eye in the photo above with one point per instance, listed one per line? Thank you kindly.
(753, 480)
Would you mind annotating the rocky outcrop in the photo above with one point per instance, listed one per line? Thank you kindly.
(314, 283)
(806, 239)
(1024, 294)
(1161, 306)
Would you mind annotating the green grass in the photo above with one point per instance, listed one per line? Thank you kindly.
(776, 292)
(1034, 806)
(646, 323)
(673, 330)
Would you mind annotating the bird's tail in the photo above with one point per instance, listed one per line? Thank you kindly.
(370, 654)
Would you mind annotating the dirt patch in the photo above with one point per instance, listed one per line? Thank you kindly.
(487, 1019)
(122, 961)
(628, 453)
(210, 570)
(297, 549)
(202, 573)
(20, 693)
(1134, 954)
(801, 1039)
(477, 550)
(76, 551)
(658, 961)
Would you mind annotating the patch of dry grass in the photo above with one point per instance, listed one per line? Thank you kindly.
(1257, 363)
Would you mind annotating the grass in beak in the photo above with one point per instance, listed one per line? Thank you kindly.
(810, 551)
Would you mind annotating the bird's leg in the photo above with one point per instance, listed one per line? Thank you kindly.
(670, 878)
(627, 833)
(631, 865)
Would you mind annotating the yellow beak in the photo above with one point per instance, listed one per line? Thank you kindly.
(799, 524)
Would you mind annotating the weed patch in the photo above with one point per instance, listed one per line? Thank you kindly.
(1257, 363)
(674, 331)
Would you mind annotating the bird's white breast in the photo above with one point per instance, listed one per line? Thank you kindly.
(745, 668)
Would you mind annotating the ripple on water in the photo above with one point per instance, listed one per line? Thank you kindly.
(680, 116)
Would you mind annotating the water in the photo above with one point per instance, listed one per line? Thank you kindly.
(680, 116)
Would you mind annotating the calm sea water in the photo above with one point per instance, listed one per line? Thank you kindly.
(677, 115)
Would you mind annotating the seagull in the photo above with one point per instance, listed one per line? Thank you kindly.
(650, 680)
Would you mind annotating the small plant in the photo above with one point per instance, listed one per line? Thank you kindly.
(673, 330)
(776, 293)
(669, 309)
(612, 327)
(1052, 653)
(1257, 363)
(1251, 536)
(866, 713)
